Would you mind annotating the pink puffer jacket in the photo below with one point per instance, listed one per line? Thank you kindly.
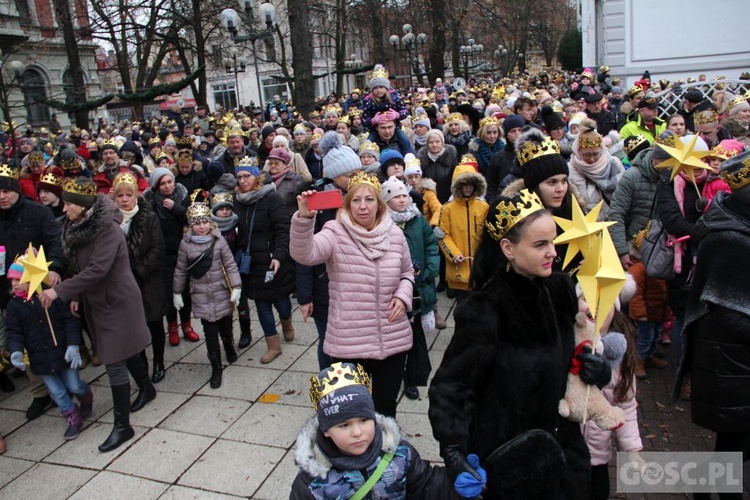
(628, 436)
(359, 288)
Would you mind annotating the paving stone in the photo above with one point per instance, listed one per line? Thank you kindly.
(37, 439)
(185, 378)
(162, 455)
(119, 487)
(279, 483)
(154, 412)
(176, 353)
(11, 420)
(417, 430)
(308, 362)
(242, 382)
(269, 424)
(185, 493)
(206, 416)
(83, 451)
(11, 468)
(224, 467)
(290, 353)
(45, 481)
(293, 388)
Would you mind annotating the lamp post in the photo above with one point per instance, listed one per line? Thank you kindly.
(235, 65)
(501, 55)
(351, 64)
(409, 42)
(470, 51)
(12, 71)
(231, 21)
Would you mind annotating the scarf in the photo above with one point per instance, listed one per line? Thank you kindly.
(178, 196)
(437, 156)
(420, 141)
(201, 239)
(600, 173)
(226, 223)
(350, 462)
(277, 178)
(127, 218)
(485, 152)
(410, 213)
(253, 196)
(21, 294)
(375, 243)
(460, 140)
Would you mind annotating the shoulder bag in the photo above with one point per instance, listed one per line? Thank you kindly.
(242, 257)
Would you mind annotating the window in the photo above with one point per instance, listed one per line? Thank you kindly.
(272, 87)
(35, 90)
(226, 95)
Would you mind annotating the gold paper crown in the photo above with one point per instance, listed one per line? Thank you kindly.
(154, 141)
(198, 212)
(368, 147)
(532, 150)
(634, 91)
(185, 156)
(629, 147)
(454, 117)
(184, 142)
(421, 116)
(338, 376)
(163, 156)
(741, 178)
(230, 131)
(510, 214)
(498, 92)
(246, 161)
(50, 178)
(364, 178)
(124, 178)
(411, 161)
(316, 136)
(718, 151)
(36, 156)
(735, 102)
(199, 196)
(490, 120)
(705, 116)
(112, 142)
(299, 128)
(314, 114)
(468, 159)
(86, 188)
(345, 119)
(8, 171)
(222, 197)
(590, 142)
(379, 73)
(355, 112)
(668, 140)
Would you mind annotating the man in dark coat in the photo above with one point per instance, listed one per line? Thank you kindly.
(605, 120)
(23, 221)
(224, 163)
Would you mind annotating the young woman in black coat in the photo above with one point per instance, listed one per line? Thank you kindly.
(506, 367)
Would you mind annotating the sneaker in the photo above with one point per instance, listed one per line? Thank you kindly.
(38, 407)
(411, 392)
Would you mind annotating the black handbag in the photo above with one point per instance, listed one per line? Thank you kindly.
(242, 257)
(200, 265)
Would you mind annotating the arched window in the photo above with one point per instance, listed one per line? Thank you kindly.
(34, 91)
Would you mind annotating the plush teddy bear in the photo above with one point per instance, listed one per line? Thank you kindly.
(573, 406)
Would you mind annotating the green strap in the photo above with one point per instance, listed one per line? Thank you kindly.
(382, 466)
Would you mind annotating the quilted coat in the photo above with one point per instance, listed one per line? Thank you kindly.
(210, 292)
(360, 289)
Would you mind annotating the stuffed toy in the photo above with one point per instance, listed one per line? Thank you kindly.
(574, 405)
(615, 346)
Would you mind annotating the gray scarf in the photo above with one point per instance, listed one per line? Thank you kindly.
(253, 196)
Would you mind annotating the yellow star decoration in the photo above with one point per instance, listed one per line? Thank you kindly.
(601, 277)
(684, 158)
(580, 231)
(35, 270)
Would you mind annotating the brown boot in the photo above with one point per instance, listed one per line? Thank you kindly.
(273, 351)
(439, 321)
(287, 329)
(654, 362)
(640, 369)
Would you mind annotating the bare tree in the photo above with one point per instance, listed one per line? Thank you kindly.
(78, 90)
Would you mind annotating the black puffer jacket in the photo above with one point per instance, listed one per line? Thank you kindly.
(269, 240)
(440, 171)
(172, 222)
(26, 326)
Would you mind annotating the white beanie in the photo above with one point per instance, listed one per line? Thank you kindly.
(280, 140)
(338, 159)
(413, 165)
(392, 188)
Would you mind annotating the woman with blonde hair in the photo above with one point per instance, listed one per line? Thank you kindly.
(487, 142)
(457, 133)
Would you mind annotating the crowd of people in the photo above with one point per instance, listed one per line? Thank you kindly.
(366, 209)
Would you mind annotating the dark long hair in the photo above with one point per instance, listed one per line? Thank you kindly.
(623, 324)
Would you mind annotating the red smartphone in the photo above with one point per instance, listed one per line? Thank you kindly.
(325, 200)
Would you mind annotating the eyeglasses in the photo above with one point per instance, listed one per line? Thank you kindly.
(244, 177)
(590, 156)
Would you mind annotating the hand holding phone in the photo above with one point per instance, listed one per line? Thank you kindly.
(325, 200)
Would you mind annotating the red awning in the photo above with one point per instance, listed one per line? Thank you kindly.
(181, 102)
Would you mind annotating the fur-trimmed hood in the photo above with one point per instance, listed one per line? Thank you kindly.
(515, 188)
(460, 179)
(425, 183)
(310, 459)
(80, 234)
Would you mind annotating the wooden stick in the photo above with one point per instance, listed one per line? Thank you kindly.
(52, 330)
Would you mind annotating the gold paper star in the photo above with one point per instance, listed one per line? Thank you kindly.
(580, 231)
(601, 277)
(684, 158)
(35, 270)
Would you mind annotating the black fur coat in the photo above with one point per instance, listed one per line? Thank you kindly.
(505, 372)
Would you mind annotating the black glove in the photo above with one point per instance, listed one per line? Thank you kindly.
(455, 461)
(595, 371)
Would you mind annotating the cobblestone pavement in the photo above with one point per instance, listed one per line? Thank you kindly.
(194, 442)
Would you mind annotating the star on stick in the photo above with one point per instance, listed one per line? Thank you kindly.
(601, 277)
(35, 270)
(580, 230)
(684, 158)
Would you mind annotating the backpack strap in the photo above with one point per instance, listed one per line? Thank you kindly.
(370, 483)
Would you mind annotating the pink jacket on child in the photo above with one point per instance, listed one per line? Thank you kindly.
(628, 436)
(360, 288)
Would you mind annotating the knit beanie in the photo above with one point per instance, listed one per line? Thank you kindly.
(412, 165)
(421, 118)
(280, 154)
(15, 271)
(247, 164)
(221, 199)
(389, 156)
(634, 144)
(80, 191)
(435, 132)
(267, 130)
(52, 180)
(551, 119)
(369, 148)
(9, 178)
(379, 77)
(392, 188)
(541, 166)
(576, 119)
(158, 173)
(280, 140)
(227, 182)
(338, 159)
(513, 121)
(349, 398)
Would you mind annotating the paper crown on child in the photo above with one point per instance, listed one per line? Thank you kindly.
(510, 211)
(336, 377)
(198, 212)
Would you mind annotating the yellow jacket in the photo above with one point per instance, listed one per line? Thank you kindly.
(432, 205)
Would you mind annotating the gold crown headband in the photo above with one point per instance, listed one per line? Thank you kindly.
(8, 171)
(229, 132)
(198, 212)
(125, 178)
(735, 102)
(379, 73)
(368, 146)
(741, 178)
(345, 119)
(590, 142)
(184, 142)
(454, 117)
(36, 156)
(720, 151)
(364, 178)
(631, 146)
(87, 188)
(50, 178)
(246, 161)
(706, 116)
(222, 197)
(511, 213)
(154, 141)
(185, 156)
(412, 161)
(668, 140)
(532, 150)
(486, 122)
(338, 376)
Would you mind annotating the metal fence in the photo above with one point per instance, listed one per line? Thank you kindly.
(670, 100)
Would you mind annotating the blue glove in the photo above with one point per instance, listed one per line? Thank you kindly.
(73, 356)
(17, 359)
(466, 484)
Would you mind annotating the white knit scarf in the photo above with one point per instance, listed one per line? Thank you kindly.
(127, 218)
(374, 243)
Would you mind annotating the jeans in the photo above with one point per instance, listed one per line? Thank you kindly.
(679, 323)
(649, 333)
(61, 385)
(265, 313)
(324, 360)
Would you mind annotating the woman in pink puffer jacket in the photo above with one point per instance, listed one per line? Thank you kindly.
(370, 284)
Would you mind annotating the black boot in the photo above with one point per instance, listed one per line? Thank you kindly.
(215, 359)
(121, 431)
(158, 375)
(146, 390)
(229, 349)
(245, 336)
